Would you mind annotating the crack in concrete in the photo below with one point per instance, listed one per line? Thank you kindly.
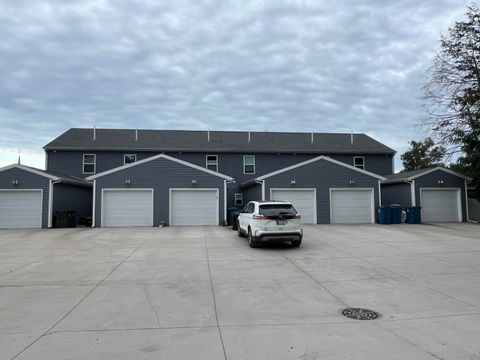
(149, 301)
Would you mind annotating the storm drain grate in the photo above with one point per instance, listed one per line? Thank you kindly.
(360, 314)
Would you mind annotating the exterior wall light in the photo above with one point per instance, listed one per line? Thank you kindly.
(352, 182)
(14, 182)
(440, 182)
(127, 181)
(194, 182)
(292, 182)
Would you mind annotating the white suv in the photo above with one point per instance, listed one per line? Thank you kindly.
(270, 221)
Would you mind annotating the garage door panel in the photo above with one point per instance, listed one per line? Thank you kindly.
(440, 205)
(127, 208)
(20, 209)
(304, 200)
(194, 207)
(351, 206)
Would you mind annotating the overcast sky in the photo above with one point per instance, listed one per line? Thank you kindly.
(324, 66)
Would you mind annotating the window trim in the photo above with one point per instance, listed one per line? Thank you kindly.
(254, 167)
(363, 162)
(239, 195)
(124, 163)
(94, 163)
(216, 162)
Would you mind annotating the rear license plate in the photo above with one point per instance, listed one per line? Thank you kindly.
(281, 222)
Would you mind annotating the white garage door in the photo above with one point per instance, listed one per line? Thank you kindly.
(440, 205)
(122, 208)
(20, 209)
(304, 200)
(353, 206)
(194, 207)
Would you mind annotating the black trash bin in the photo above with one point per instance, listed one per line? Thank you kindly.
(61, 219)
(72, 219)
(235, 219)
(230, 212)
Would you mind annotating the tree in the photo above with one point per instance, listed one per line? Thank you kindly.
(452, 93)
(422, 154)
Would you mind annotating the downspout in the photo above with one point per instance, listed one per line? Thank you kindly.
(50, 201)
(94, 206)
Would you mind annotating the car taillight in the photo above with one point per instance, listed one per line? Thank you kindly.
(260, 217)
(297, 216)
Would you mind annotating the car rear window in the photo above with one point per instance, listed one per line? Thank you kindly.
(277, 210)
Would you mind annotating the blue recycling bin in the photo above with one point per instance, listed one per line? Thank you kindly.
(384, 215)
(414, 215)
(230, 215)
(396, 213)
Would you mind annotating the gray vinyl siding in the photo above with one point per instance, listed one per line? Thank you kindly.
(27, 180)
(252, 193)
(397, 194)
(68, 197)
(449, 181)
(322, 175)
(161, 175)
(231, 164)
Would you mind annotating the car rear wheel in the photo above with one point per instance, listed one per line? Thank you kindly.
(251, 240)
(296, 243)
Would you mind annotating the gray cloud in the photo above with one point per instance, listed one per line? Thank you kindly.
(260, 65)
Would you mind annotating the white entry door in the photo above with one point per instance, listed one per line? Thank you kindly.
(194, 207)
(304, 200)
(441, 205)
(125, 208)
(352, 206)
(20, 209)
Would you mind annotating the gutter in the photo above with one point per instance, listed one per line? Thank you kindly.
(50, 201)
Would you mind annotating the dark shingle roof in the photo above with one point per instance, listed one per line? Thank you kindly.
(224, 141)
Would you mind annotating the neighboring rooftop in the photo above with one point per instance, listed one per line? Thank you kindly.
(222, 141)
(412, 175)
(49, 174)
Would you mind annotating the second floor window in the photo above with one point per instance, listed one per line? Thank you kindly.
(249, 164)
(129, 158)
(359, 162)
(212, 162)
(88, 163)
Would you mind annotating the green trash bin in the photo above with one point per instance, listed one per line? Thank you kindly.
(384, 215)
(414, 215)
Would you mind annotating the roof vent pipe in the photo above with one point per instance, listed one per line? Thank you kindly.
(249, 136)
(311, 138)
(351, 138)
(136, 134)
(208, 135)
(94, 133)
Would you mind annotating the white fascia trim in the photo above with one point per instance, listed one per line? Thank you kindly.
(321, 157)
(442, 169)
(159, 156)
(29, 169)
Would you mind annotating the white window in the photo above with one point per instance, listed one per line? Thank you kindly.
(212, 162)
(89, 163)
(359, 162)
(249, 164)
(129, 158)
(238, 199)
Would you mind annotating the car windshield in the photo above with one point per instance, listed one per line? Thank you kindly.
(277, 210)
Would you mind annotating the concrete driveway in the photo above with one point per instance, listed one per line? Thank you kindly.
(202, 293)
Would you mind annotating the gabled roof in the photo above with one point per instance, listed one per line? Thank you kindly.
(48, 174)
(412, 175)
(217, 141)
(160, 156)
(318, 158)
